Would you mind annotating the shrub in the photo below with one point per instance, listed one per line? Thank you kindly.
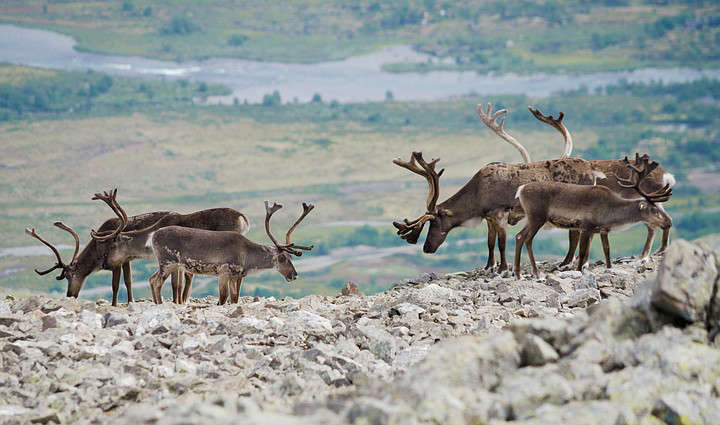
(237, 39)
(179, 26)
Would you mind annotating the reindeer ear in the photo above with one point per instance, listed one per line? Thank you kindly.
(643, 205)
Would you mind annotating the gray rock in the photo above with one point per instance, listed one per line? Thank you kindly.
(681, 408)
(685, 282)
(309, 322)
(537, 352)
(432, 294)
(157, 316)
(587, 281)
(407, 310)
(111, 319)
(583, 298)
(379, 341)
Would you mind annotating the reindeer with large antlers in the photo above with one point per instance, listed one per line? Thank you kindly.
(112, 247)
(490, 194)
(612, 169)
(589, 210)
(228, 255)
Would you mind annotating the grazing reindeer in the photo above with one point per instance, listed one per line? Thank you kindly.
(95, 256)
(227, 255)
(135, 243)
(489, 194)
(588, 209)
(611, 169)
(105, 253)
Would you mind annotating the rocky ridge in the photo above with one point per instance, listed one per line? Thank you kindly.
(636, 344)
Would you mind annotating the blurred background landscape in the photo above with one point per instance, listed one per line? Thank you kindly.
(185, 105)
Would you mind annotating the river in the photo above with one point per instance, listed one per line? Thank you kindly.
(356, 79)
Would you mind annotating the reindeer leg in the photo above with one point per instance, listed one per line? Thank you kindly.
(648, 242)
(115, 284)
(235, 289)
(188, 285)
(519, 241)
(223, 287)
(664, 244)
(606, 248)
(238, 283)
(584, 253)
(176, 281)
(156, 282)
(573, 239)
(502, 236)
(492, 232)
(127, 275)
(532, 231)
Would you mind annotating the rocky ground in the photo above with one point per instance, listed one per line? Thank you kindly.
(631, 345)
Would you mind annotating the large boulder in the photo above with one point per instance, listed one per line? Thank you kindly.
(686, 285)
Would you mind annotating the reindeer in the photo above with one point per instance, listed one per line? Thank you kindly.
(589, 210)
(611, 169)
(228, 255)
(490, 194)
(107, 251)
(136, 242)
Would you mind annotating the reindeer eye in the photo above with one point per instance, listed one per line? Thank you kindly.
(281, 259)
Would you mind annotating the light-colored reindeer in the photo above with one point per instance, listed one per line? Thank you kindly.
(228, 255)
(588, 210)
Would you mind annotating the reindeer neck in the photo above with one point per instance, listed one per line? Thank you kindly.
(464, 203)
(259, 257)
(620, 212)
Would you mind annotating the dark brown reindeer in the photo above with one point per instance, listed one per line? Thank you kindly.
(589, 210)
(228, 255)
(490, 194)
(136, 244)
(497, 223)
(611, 169)
(106, 254)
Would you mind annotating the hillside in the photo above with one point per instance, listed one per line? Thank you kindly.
(626, 345)
(482, 35)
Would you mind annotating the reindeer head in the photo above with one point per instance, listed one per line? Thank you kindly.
(70, 271)
(441, 220)
(282, 258)
(651, 211)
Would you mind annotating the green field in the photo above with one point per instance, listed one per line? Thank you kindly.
(170, 152)
(483, 35)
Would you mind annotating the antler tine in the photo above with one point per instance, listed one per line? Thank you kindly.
(306, 210)
(558, 125)
(433, 179)
(74, 234)
(59, 264)
(269, 211)
(638, 172)
(110, 199)
(491, 122)
(410, 165)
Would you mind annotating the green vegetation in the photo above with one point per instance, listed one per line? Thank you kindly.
(481, 35)
(55, 92)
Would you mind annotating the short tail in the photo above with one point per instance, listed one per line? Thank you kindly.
(148, 242)
(598, 175)
(517, 194)
(668, 179)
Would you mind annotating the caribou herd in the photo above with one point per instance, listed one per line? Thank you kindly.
(583, 196)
